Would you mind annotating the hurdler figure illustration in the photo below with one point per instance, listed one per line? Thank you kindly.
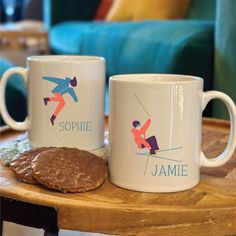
(140, 137)
(63, 86)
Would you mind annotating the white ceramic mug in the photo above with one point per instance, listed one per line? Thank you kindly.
(65, 101)
(155, 131)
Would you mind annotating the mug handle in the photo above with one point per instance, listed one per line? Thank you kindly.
(229, 150)
(6, 117)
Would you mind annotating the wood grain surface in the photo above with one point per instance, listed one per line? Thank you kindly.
(207, 209)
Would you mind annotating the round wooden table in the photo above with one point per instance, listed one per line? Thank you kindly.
(207, 209)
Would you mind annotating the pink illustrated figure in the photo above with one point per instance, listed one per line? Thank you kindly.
(140, 138)
(63, 86)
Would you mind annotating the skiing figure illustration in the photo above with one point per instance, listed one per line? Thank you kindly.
(140, 137)
(150, 143)
(63, 86)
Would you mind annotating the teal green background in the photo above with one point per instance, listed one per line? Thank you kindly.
(202, 44)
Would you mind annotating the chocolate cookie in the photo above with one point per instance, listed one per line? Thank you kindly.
(21, 165)
(69, 170)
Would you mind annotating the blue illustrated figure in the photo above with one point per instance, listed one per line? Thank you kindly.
(63, 86)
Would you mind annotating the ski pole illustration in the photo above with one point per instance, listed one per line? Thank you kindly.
(139, 134)
(141, 104)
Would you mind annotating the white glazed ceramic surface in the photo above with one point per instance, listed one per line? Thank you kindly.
(174, 105)
(79, 123)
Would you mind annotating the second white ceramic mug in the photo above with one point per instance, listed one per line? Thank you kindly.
(155, 131)
(65, 101)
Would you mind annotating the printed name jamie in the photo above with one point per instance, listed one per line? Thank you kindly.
(170, 170)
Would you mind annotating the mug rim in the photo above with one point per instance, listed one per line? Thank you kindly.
(156, 78)
(64, 58)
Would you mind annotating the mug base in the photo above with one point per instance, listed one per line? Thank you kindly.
(156, 189)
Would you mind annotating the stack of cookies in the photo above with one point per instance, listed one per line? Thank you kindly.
(62, 169)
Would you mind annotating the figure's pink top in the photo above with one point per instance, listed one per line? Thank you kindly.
(138, 132)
